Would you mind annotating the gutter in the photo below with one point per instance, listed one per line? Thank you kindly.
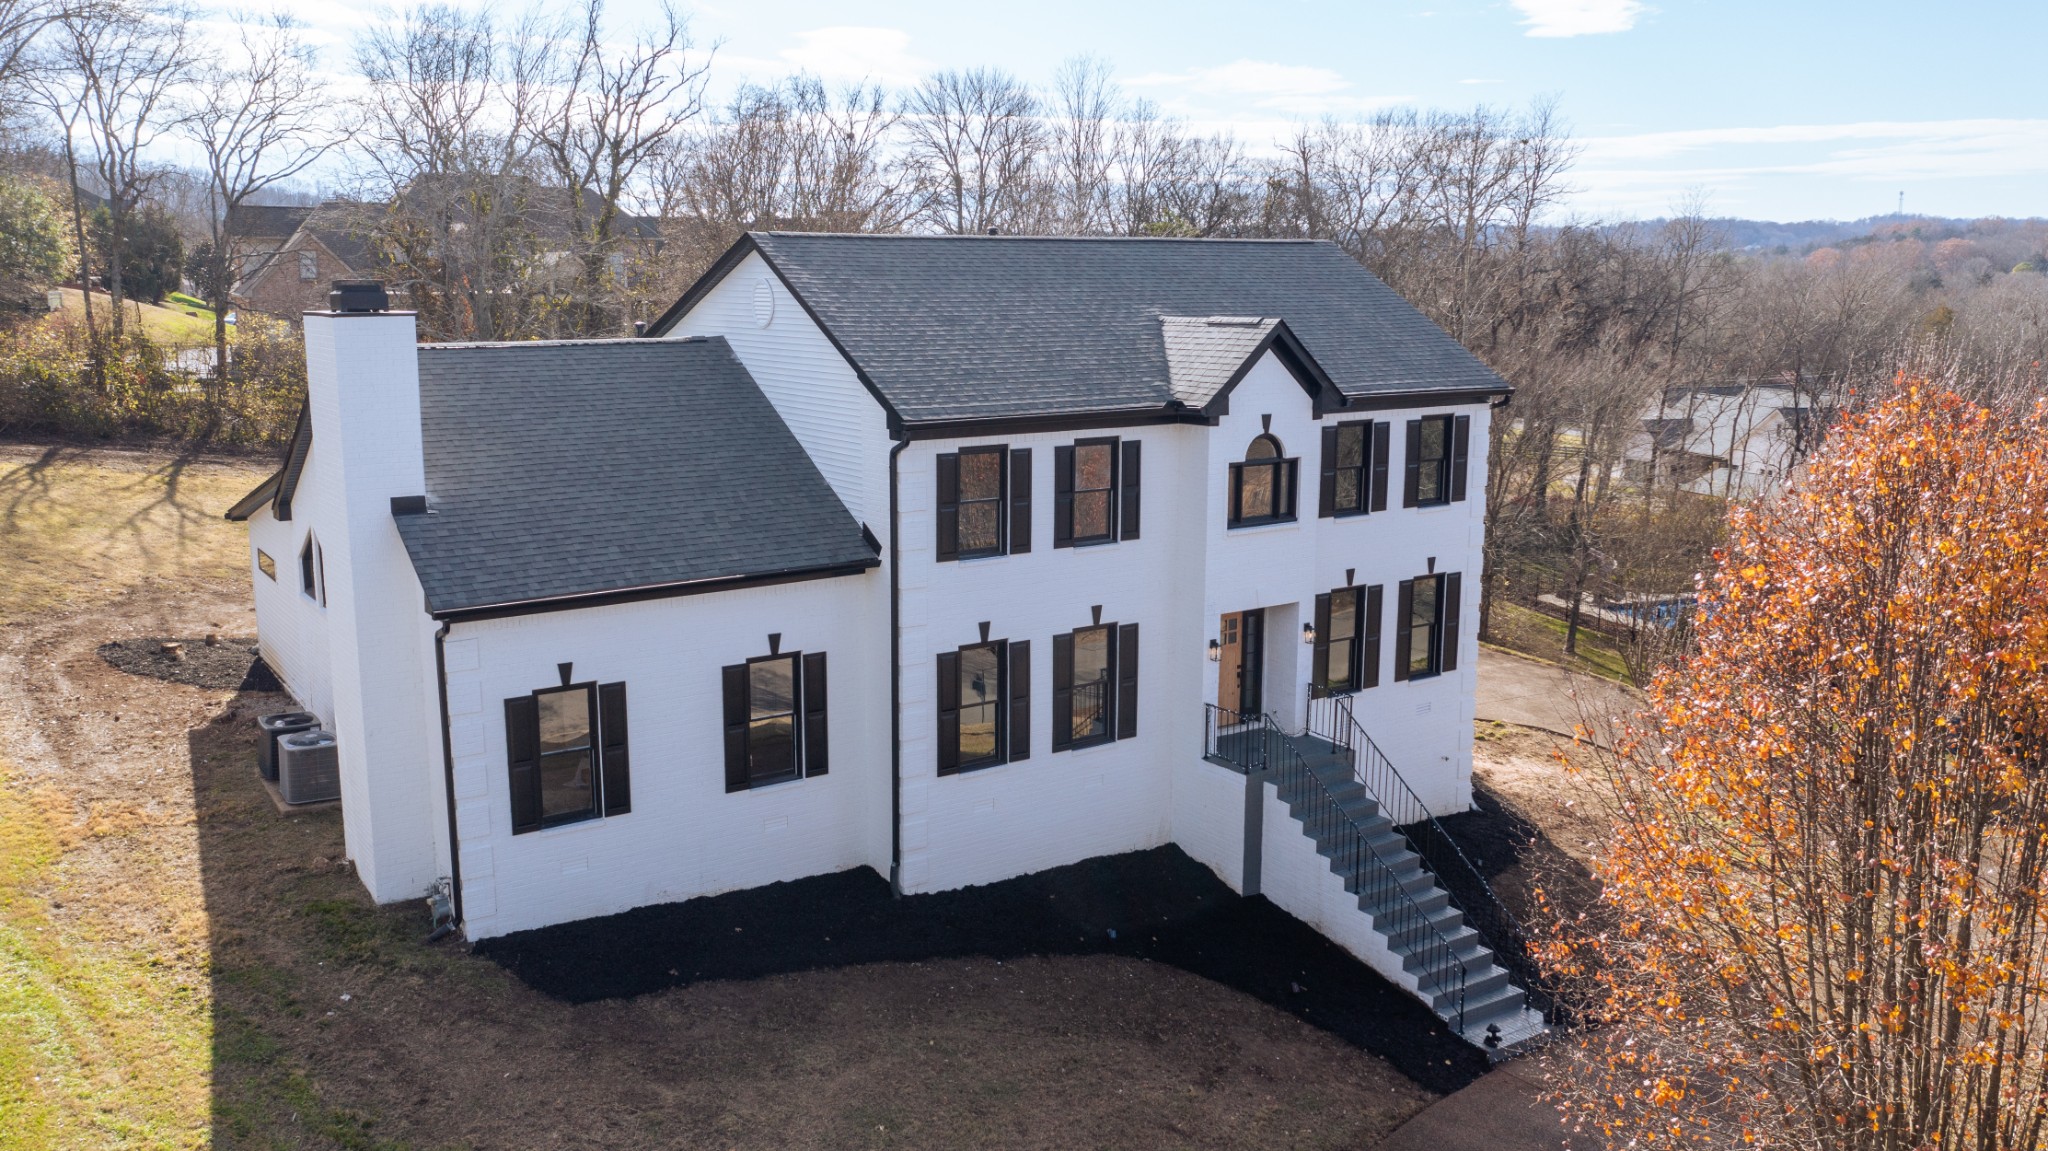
(448, 776)
(650, 591)
(895, 679)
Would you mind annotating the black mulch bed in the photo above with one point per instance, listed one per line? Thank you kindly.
(1158, 905)
(228, 664)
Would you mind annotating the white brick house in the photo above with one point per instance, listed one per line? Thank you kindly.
(958, 558)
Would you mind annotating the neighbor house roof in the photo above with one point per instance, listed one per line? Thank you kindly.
(565, 473)
(954, 329)
(267, 221)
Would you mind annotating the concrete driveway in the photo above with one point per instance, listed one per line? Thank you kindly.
(1533, 693)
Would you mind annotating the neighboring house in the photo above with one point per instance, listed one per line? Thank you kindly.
(1736, 441)
(958, 558)
(288, 275)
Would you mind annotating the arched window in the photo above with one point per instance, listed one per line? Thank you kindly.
(1262, 487)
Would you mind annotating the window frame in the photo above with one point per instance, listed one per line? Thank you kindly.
(810, 719)
(309, 266)
(266, 565)
(1434, 657)
(593, 748)
(796, 718)
(1001, 500)
(999, 649)
(1111, 493)
(1362, 470)
(1354, 643)
(1286, 473)
(1441, 464)
(312, 569)
(1109, 685)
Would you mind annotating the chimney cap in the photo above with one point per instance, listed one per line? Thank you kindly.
(358, 296)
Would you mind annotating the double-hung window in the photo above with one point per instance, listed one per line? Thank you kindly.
(1262, 487)
(1436, 465)
(1354, 473)
(1094, 685)
(775, 727)
(984, 705)
(1347, 644)
(1426, 626)
(984, 502)
(566, 752)
(1096, 492)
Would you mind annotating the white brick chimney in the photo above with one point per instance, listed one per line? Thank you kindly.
(363, 388)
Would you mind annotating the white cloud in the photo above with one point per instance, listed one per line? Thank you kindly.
(1295, 89)
(852, 53)
(1578, 17)
(1946, 160)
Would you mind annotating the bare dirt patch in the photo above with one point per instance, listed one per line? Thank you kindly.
(180, 966)
(207, 661)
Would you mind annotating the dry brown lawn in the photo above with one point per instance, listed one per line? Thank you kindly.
(182, 967)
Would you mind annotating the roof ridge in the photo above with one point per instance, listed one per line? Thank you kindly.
(1051, 237)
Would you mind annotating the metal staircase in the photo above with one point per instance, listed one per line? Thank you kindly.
(1454, 969)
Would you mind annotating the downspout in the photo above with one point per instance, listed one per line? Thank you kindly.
(448, 782)
(895, 680)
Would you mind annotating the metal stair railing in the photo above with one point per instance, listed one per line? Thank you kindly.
(1256, 742)
(1330, 718)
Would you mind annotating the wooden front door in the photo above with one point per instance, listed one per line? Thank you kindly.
(1243, 662)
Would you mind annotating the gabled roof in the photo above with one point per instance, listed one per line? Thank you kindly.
(560, 474)
(283, 484)
(1205, 355)
(952, 329)
(267, 221)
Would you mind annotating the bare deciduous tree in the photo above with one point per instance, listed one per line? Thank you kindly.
(258, 112)
(125, 64)
(973, 144)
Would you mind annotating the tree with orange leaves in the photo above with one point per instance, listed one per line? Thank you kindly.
(1822, 921)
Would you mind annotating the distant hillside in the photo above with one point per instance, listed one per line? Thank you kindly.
(1803, 236)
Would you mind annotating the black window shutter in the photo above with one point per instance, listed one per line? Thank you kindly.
(1127, 681)
(1319, 661)
(1448, 604)
(1369, 656)
(1020, 501)
(1020, 700)
(949, 712)
(1411, 483)
(817, 747)
(1380, 453)
(1063, 497)
(618, 780)
(1062, 691)
(522, 755)
(735, 681)
(1461, 443)
(1130, 480)
(949, 507)
(1404, 607)
(1326, 503)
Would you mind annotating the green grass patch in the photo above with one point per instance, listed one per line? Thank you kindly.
(1534, 633)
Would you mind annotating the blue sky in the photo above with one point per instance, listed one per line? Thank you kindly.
(1785, 110)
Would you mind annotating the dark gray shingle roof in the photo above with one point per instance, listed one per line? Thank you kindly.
(575, 469)
(967, 327)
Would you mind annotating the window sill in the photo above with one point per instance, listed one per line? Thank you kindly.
(973, 768)
(1091, 745)
(1093, 543)
(556, 829)
(1256, 526)
(766, 784)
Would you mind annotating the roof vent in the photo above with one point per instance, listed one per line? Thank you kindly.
(995, 231)
(357, 296)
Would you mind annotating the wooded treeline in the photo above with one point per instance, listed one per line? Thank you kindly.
(546, 174)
